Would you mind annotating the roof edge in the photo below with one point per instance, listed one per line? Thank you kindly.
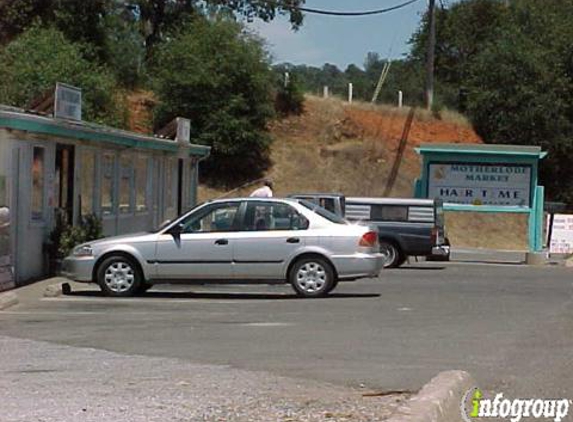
(16, 119)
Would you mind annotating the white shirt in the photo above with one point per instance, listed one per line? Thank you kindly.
(264, 192)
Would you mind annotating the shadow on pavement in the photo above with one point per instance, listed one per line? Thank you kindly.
(228, 296)
(408, 267)
(485, 262)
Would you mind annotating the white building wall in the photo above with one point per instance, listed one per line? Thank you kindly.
(29, 234)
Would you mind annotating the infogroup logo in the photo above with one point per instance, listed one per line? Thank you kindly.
(475, 406)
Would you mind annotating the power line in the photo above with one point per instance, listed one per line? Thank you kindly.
(337, 13)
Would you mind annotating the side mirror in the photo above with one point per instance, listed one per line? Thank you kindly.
(176, 230)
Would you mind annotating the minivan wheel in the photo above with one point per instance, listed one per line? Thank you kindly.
(312, 277)
(118, 276)
(392, 255)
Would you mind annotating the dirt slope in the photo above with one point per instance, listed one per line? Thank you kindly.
(350, 149)
(336, 147)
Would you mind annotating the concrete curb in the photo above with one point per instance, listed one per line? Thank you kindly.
(53, 290)
(7, 300)
(438, 401)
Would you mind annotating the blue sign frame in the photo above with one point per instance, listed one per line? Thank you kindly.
(507, 155)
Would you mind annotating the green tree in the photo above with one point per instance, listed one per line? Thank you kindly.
(124, 33)
(461, 32)
(159, 17)
(521, 87)
(80, 21)
(217, 75)
(516, 62)
(32, 64)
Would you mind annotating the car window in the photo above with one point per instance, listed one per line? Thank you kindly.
(328, 204)
(216, 218)
(389, 213)
(324, 213)
(262, 216)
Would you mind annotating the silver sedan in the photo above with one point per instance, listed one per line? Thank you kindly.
(253, 240)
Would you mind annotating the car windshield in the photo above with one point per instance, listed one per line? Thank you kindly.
(323, 212)
(168, 222)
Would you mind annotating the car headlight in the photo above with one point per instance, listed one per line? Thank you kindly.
(83, 250)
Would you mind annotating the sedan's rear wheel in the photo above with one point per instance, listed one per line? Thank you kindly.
(312, 277)
(119, 276)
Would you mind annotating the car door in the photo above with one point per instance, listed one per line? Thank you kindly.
(202, 246)
(272, 232)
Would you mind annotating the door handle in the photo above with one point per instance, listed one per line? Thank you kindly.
(221, 242)
(293, 240)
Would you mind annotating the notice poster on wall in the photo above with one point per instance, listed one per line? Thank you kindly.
(6, 269)
(562, 234)
(480, 184)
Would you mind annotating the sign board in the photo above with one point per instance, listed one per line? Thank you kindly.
(68, 102)
(562, 234)
(183, 130)
(480, 184)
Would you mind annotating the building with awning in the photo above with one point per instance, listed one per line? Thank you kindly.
(133, 182)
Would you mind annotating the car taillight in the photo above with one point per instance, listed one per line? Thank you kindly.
(434, 237)
(369, 239)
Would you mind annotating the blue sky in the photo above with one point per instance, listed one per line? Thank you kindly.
(343, 40)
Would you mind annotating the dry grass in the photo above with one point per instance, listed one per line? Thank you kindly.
(481, 230)
(446, 115)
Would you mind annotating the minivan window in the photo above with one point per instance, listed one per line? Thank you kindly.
(323, 212)
(389, 212)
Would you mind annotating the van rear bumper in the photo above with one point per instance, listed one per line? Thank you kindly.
(442, 250)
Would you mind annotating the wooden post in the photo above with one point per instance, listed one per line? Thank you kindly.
(350, 92)
(430, 54)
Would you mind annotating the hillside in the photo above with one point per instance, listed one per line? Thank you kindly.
(350, 149)
(336, 147)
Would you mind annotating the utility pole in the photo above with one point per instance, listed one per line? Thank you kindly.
(430, 54)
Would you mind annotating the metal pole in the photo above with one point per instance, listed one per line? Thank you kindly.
(400, 98)
(430, 54)
(383, 76)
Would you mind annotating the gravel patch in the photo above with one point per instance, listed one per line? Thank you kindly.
(44, 382)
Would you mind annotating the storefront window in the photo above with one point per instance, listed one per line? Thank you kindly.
(38, 184)
(107, 193)
(125, 179)
(87, 181)
(142, 183)
(169, 181)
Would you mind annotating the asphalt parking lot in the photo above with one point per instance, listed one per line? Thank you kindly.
(508, 325)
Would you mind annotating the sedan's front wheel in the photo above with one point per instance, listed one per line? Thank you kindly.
(312, 277)
(119, 276)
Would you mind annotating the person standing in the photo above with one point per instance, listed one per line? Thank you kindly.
(266, 191)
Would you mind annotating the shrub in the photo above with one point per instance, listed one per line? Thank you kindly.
(290, 97)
